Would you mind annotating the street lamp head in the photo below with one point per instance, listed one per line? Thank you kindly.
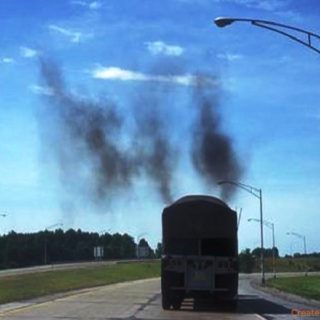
(223, 21)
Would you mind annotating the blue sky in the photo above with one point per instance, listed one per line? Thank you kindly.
(269, 106)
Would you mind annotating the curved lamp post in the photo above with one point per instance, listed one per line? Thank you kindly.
(258, 194)
(45, 239)
(239, 217)
(3, 215)
(271, 226)
(300, 236)
(276, 27)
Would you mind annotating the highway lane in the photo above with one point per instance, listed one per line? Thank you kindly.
(142, 300)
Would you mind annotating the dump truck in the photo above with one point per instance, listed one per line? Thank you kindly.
(200, 251)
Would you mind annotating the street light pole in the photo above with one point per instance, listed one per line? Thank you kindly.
(239, 217)
(273, 252)
(284, 30)
(275, 27)
(271, 226)
(258, 194)
(303, 237)
(300, 236)
(261, 232)
(3, 215)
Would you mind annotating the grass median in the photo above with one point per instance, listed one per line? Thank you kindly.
(307, 287)
(27, 286)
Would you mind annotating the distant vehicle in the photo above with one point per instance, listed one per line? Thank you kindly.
(200, 251)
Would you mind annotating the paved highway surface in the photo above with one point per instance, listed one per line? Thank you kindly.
(142, 300)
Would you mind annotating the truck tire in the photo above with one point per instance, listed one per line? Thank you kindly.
(166, 303)
(233, 305)
(176, 304)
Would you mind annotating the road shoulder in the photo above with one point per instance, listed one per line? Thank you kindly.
(292, 298)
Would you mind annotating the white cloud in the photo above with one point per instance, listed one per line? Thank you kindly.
(115, 73)
(74, 36)
(91, 5)
(118, 73)
(46, 91)
(6, 60)
(230, 56)
(28, 52)
(95, 5)
(267, 5)
(159, 47)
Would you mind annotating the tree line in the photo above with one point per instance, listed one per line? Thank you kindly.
(249, 260)
(30, 249)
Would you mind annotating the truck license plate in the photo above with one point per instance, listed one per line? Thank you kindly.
(199, 276)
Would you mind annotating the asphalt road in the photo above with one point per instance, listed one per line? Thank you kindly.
(142, 300)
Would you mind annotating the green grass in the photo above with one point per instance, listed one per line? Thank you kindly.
(21, 287)
(308, 287)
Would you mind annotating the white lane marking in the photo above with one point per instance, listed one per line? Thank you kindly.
(260, 317)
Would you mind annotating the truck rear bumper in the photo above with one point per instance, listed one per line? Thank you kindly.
(208, 275)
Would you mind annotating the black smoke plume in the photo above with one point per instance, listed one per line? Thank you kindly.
(90, 137)
(213, 155)
(153, 139)
(89, 133)
(87, 137)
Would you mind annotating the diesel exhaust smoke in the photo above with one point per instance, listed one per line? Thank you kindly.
(212, 152)
(87, 137)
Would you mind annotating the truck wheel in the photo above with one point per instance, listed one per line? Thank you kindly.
(176, 304)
